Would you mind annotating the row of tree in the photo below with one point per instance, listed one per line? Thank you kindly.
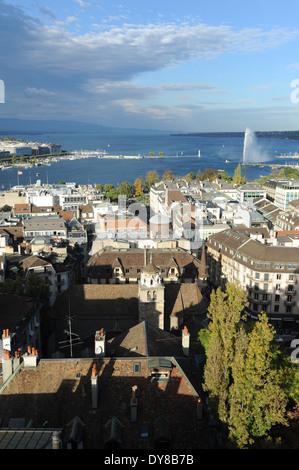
(249, 378)
(137, 189)
(141, 185)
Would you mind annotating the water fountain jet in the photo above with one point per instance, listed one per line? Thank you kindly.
(252, 152)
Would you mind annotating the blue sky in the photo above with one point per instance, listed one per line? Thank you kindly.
(190, 66)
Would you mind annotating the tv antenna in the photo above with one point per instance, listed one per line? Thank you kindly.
(73, 339)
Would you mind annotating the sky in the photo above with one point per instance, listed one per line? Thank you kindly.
(188, 66)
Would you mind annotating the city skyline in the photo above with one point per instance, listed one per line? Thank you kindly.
(187, 67)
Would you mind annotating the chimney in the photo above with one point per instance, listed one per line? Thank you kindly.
(134, 403)
(94, 387)
(30, 357)
(7, 363)
(6, 340)
(185, 341)
(56, 441)
(199, 409)
(100, 342)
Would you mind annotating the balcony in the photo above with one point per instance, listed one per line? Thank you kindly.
(290, 291)
(290, 303)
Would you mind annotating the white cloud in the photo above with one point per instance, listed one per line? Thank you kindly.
(84, 4)
(39, 91)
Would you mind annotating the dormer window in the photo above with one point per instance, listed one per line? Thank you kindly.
(159, 370)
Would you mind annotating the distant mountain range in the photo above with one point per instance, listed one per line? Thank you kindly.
(290, 135)
(11, 126)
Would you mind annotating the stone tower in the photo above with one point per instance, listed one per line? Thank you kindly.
(151, 296)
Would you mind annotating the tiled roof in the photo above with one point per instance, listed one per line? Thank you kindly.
(100, 300)
(136, 257)
(33, 262)
(145, 340)
(56, 391)
(121, 301)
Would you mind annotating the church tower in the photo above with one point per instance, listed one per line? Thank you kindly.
(151, 296)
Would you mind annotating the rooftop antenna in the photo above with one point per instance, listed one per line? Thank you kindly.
(74, 339)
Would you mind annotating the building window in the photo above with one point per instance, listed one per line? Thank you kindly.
(137, 367)
(278, 276)
(276, 308)
(277, 287)
(148, 295)
(277, 298)
(266, 277)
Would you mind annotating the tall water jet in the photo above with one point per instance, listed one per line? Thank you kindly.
(252, 152)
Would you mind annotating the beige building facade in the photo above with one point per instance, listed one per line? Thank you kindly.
(267, 272)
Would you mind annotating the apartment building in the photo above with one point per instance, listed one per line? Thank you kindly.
(268, 272)
(286, 192)
(48, 226)
(250, 191)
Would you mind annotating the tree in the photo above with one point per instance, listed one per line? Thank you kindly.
(256, 400)
(225, 312)
(199, 176)
(167, 175)
(238, 179)
(138, 187)
(152, 177)
(161, 154)
(209, 174)
(99, 187)
(151, 154)
(125, 189)
(240, 372)
(30, 286)
(108, 187)
(226, 177)
(190, 177)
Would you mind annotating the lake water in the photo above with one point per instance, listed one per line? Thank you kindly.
(214, 153)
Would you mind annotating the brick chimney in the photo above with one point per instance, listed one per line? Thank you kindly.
(100, 343)
(185, 341)
(94, 387)
(134, 403)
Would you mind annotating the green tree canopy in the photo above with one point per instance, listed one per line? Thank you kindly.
(30, 286)
(190, 177)
(209, 174)
(240, 372)
(125, 189)
(238, 179)
(152, 177)
(108, 187)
